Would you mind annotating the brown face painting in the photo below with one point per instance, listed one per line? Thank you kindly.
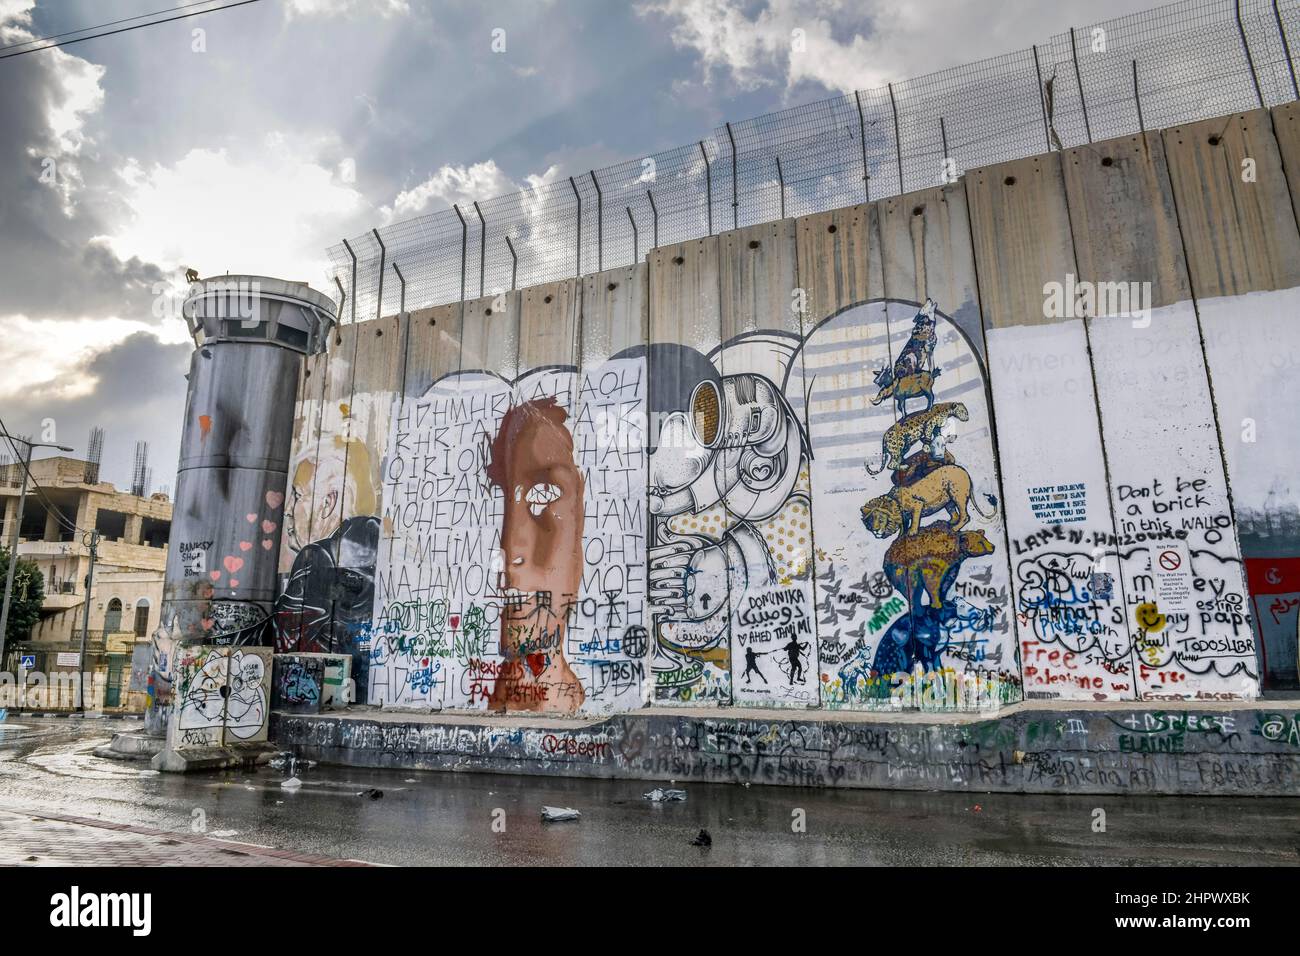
(541, 538)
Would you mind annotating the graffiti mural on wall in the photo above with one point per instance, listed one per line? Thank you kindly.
(1182, 572)
(1074, 639)
(1252, 355)
(530, 461)
(222, 696)
(515, 574)
(912, 579)
(298, 684)
(730, 526)
(331, 537)
(788, 520)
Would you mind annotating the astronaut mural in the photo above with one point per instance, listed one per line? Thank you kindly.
(910, 551)
(730, 527)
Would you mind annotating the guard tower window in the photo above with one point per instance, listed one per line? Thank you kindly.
(295, 338)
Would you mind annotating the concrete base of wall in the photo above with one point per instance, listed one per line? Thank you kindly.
(132, 746)
(1232, 749)
(212, 758)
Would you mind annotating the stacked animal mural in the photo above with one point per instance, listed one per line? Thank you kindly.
(913, 594)
(922, 561)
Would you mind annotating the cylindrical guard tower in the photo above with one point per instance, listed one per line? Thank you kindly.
(250, 335)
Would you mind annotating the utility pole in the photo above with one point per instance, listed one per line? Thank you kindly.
(13, 537)
(93, 535)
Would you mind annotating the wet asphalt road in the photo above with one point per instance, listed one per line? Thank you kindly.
(447, 818)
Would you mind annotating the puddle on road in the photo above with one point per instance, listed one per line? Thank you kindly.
(333, 788)
(87, 766)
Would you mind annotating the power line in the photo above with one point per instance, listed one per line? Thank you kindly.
(138, 26)
(100, 26)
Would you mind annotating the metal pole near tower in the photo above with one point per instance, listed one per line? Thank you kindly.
(93, 538)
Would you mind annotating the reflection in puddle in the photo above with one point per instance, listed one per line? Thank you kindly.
(88, 767)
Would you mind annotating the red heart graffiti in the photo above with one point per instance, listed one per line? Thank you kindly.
(245, 545)
(215, 575)
(274, 499)
(455, 621)
(266, 544)
(250, 518)
(268, 527)
(232, 563)
(536, 663)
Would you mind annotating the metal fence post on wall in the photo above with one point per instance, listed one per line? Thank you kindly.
(1250, 60)
(514, 263)
(943, 160)
(636, 255)
(383, 256)
(1137, 98)
(1286, 49)
(735, 201)
(898, 141)
(482, 247)
(862, 139)
(708, 185)
(600, 223)
(464, 238)
(343, 294)
(1078, 78)
(780, 178)
(578, 196)
(401, 281)
(655, 215)
(1042, 100)
(353, 306)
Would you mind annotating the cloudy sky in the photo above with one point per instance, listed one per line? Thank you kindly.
(289, 124)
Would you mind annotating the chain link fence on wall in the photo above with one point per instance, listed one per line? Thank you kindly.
(1177, 63)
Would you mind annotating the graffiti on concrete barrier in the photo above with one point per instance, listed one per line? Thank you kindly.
(913, 586)
(516, 576)
(222, 695)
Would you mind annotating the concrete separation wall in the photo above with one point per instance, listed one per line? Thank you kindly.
(1218, 750)
(1028, 435)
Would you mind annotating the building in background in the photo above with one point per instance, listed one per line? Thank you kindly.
(126, 594)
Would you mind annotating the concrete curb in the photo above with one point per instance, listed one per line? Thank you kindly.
(1230, 749)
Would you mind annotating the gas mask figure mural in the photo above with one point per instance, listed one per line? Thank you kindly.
(531, 461)
(728, 470)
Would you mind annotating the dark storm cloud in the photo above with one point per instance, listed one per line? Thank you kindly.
(139, 394)
(49, 266)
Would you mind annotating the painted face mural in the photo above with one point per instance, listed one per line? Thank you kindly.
(325, 490)
(516, 573)
(541, 543)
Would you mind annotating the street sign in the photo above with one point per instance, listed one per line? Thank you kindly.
(27, 662)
